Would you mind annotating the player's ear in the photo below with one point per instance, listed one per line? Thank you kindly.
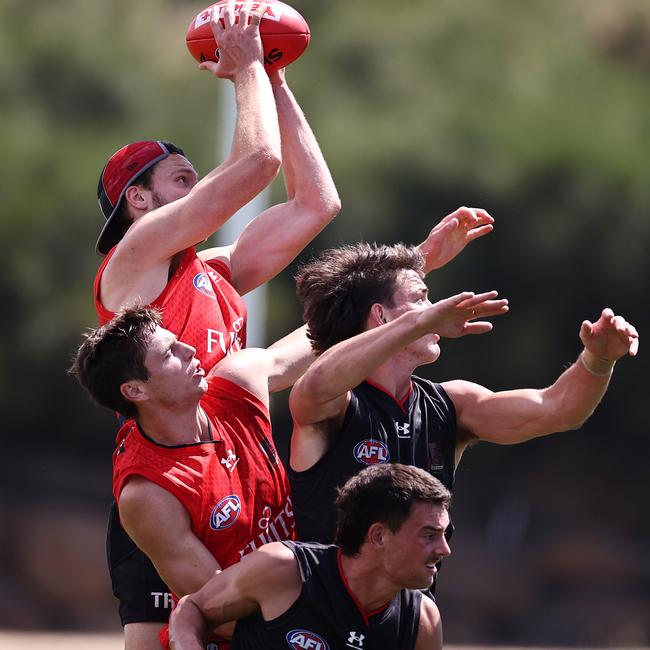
(376, 534)
(133, 390)
(377, 315)
(135, 196)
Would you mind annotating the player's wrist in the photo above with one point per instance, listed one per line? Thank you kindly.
(249, 72)
(595, 365)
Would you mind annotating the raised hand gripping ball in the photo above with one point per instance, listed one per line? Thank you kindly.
(285, 34)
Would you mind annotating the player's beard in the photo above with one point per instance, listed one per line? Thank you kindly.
(158, 200)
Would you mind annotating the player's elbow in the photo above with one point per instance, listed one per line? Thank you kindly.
(320, 208)
(267, 161)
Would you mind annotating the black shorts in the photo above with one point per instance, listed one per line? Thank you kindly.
(143, 596)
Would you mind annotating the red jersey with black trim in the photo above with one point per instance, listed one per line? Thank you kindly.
(199, 305)
(234, 486)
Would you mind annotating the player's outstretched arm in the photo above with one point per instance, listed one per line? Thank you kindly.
(513, 416)
(322, 392)
(254, 160)
(275, 237)
(430, 630)
(266, 580)
(448, 238)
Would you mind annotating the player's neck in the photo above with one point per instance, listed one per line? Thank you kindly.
(174, 426)
(367, 584)
(394, 377)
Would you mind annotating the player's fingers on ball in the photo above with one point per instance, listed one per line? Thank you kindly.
(244, 13)
(229, 14)
(257, 13)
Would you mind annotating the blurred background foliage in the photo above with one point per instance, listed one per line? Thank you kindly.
(536, 111)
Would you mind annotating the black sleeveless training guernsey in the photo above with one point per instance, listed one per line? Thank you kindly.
(419, 430)
(327, 615)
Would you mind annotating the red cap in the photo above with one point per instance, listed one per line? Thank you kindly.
(121, 171)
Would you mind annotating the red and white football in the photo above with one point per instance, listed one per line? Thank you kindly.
(285, 34)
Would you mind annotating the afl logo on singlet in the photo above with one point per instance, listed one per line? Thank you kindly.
(306, 640)
(201, 282)
(371, 452)
(225, 513)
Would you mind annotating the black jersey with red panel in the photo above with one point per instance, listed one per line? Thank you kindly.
(327, 616)
(418, 430)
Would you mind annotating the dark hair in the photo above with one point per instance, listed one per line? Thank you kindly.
(115, 353)
(382, 493)
(122, 219)
(339, 287)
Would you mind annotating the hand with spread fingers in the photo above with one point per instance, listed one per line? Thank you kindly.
(238, 37)
(607, 340)
(454, 317)
(452, 234)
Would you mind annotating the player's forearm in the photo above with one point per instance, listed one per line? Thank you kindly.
(187, 627)
(256, 127)
(511, 417)
(349, 362)
(576, 393)
(306, 175)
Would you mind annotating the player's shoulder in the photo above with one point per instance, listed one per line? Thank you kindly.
(272, 566)
(241, 366)
(430, 628)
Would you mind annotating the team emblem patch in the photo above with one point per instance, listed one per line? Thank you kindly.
(225, 513)
(371, 452)
(201, 281)
(306, 640)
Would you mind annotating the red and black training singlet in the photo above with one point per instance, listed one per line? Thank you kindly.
(327, 615)
(234, 487)
(199, 305)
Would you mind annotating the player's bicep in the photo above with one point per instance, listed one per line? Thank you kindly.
(430, 628)
(268, 580)
(504, 417)
(180, 558)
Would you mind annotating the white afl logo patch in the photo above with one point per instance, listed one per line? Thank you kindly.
(202, 282)
(371, 452)
(306, 640)
(225, 513)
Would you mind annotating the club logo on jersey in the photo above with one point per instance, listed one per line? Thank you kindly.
(403, 430)
(306, 640)
(201, 281)
(225, 513)
(371, 452)
(355, 640)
